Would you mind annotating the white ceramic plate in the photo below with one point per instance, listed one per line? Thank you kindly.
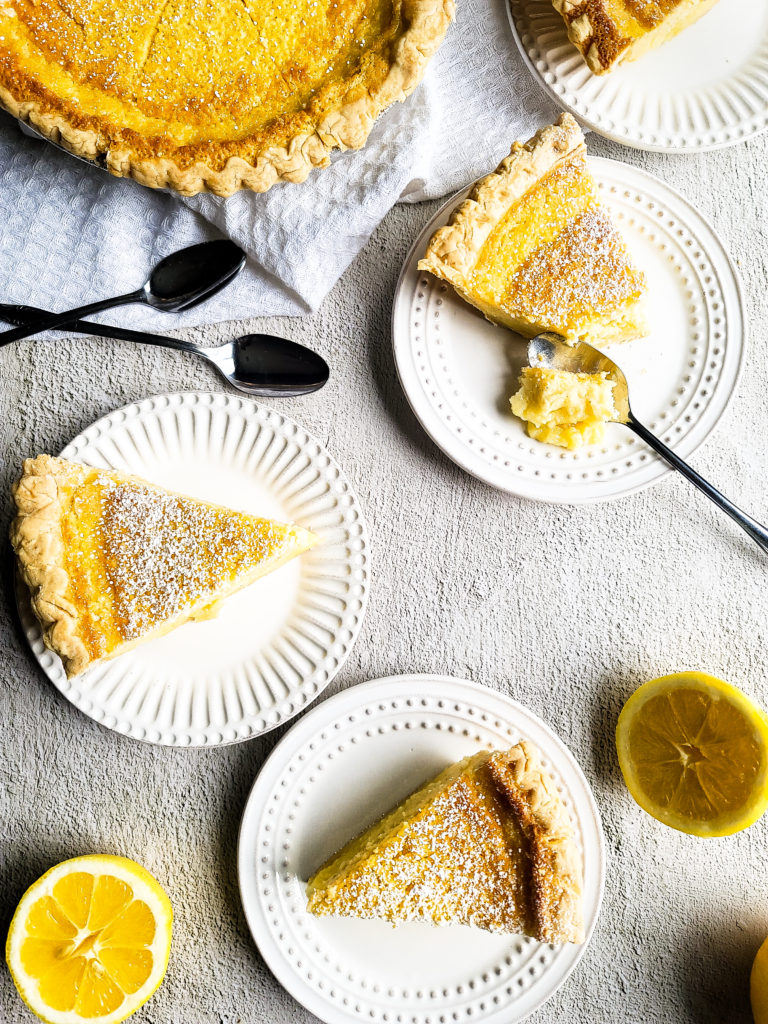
(338, 770)
(458, 370)
(275, 645)
(706, 89)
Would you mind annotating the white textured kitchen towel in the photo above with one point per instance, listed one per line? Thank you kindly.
(70, 234)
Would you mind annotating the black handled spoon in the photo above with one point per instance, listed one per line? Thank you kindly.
(260, 365)
(180, 280)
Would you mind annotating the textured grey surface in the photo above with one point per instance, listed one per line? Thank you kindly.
(566, 609)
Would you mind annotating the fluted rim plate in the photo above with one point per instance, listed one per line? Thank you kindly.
(275, 645)
(705, 89)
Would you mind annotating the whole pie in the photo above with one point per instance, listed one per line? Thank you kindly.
(534, 249)
(112, 560)
(203, 95)
(487, 843)
(609, 32)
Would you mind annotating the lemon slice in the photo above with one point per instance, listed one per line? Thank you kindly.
(758, 985)
(90, 940)
(694, 754)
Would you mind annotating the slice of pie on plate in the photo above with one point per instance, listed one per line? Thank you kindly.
(197, 95)
(610, 32)
(112, 561)
(487, 843)
(533, 248)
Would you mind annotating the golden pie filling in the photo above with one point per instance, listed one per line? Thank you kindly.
(392, 871)
(533, 248)
(556, 258)
(112, 561)
(562, 408)
(486, 843)
(159, 87)
(150, 557)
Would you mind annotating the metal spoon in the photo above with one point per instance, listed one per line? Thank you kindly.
(257, 364)
(179, 281)
(550, 350)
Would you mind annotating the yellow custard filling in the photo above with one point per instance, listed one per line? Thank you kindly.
(562, 408)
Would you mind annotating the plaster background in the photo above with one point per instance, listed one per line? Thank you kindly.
(566, 609)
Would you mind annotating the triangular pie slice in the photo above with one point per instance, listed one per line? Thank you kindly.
(533, 248)
(112, 560)
(487, 843)
(610, 32)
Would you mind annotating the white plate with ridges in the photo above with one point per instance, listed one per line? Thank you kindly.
(458, 370)
(337, 771)
(705, 89)
(274, 646)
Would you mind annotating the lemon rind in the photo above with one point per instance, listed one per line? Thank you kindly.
(145, 887)
(726, 824)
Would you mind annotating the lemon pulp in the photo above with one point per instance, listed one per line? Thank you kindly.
(694, 754)
(90, 940)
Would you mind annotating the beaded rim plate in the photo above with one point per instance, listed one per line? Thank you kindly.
(705, 89)
(458, 370)
(275, 645)
(337, 770)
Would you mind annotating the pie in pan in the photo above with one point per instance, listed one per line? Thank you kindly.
(609, 32)
(487, 843)
(112, 561)
(198, 95)
(533, 248)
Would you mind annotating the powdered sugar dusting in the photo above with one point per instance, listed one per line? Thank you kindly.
(585, 271)
(459, 860)
(165, 554)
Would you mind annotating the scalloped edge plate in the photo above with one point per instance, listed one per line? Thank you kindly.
(458, 370)
(275, 645)
(705, 89)
(337, 770)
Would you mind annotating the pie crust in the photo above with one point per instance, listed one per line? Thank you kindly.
(556, 864)
(112, 561)
(610, 32)
(487, 843)
(198, 96)
(569, 267)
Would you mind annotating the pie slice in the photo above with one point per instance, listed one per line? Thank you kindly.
(112, 561)
(487, 843)
(610, 32)
(534, 250)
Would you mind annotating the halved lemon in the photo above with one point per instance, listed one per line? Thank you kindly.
(758, 985)
(694, 754)
(90, 940)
